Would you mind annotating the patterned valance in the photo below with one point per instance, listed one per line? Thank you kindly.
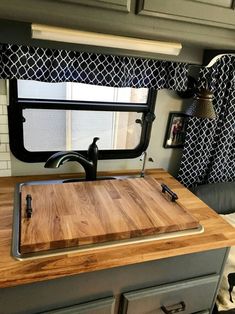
(49, 65)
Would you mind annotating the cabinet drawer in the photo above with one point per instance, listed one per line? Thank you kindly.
(188, 297)
(102, 306)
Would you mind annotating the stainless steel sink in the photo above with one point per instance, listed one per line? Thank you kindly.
(17, 222)
(17, 217)
(84, 180)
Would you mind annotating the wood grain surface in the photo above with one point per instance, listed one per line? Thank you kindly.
(217, 234)
(81, 213)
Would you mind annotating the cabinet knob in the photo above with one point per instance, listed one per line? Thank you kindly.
(175, 308)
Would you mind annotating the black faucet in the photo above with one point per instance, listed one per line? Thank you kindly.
(89, 164)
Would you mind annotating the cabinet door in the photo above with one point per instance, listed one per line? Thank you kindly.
(102, 306)
(188, 297)
(118, 5)
(219, 13)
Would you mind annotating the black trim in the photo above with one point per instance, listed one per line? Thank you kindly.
(171, 116)
(80, 105)
(15, 117)
(209, 54)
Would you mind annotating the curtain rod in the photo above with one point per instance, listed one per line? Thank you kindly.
(212, 62)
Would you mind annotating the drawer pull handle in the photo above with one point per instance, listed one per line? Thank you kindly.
(176, 308)
(173, 195)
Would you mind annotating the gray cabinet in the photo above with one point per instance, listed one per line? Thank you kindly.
(218, 13)
(202, 23)
(103, 306)
(191, 278)
(188, 296)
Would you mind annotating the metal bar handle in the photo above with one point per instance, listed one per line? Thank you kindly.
(176, 308)
(173, 195)
(29, 209)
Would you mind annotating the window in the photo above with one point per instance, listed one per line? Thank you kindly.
(48, 117)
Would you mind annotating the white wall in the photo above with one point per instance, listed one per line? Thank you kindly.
(5, 163)
(167, 158)
(163, 158)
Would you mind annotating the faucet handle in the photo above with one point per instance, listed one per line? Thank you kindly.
(95, 139)
(93, 150)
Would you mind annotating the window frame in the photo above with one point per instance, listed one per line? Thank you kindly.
(16, 120)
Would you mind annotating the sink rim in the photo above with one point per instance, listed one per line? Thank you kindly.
(85, 248)
(74, 180)
(73, 250)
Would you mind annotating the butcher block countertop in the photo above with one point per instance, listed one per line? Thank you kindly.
(217, 234)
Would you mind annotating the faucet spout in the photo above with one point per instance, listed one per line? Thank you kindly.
(89, 164)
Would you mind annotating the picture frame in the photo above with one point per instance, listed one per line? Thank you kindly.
(175, 131)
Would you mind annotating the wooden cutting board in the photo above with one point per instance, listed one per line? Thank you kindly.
(81, 213)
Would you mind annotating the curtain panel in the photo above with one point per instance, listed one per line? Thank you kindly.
(209, 151)
(49, 65)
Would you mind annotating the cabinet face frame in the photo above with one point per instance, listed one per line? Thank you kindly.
(94, 285)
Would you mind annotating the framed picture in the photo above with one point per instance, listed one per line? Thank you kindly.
(175, 131)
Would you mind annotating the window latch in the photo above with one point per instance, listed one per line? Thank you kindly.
(150, 117)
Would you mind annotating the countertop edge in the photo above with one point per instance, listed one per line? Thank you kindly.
(218, 234)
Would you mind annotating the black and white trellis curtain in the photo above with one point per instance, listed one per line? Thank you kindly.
(209, 151)
(49, 65)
